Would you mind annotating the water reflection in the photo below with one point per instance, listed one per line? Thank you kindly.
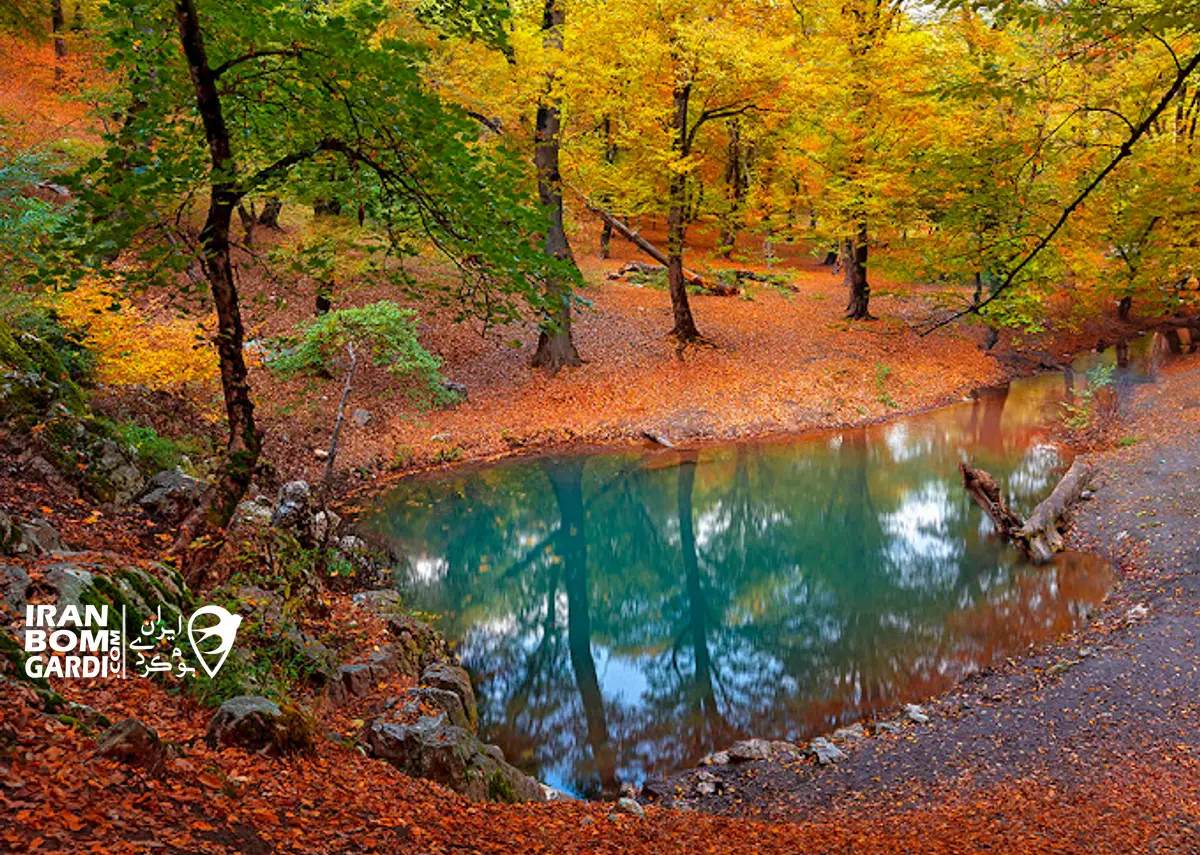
(624, 614)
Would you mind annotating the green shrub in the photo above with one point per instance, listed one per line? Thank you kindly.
(382, 331)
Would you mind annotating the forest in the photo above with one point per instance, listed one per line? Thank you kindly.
(599, 426)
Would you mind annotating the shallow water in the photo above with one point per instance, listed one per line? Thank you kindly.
(624, 613)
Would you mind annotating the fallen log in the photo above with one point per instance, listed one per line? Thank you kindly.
(718, 288)
(1039, 537)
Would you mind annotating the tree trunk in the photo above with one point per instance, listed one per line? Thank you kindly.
(1038, 536)
(269, 217)
(201, 533)
(735, 188)
(57, 25)
(555, 347)
(685, 326)
(854, 260)
(1124, 307)
(610, 157)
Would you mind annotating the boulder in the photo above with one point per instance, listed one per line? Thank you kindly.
(426, 698)
(356, 679)
(626, 807)
(69, 582)
(914, 713)
(112, 476)
(133, 742)
(14, 588)
(247, 721)
(420, 645)
(170, 496)
(749, 750)
(453, 679)
(825, 751)
(42, 537)
(436, 750)
(12, 536)
(383, 602)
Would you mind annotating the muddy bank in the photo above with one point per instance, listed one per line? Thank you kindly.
(1121, 689)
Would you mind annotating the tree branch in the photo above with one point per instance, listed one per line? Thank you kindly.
(1124, 152)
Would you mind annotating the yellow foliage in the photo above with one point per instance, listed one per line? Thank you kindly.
(141, 345)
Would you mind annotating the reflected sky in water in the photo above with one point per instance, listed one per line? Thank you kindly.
(625, 613)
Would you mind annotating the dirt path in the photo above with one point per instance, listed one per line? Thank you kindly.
(1126, 689)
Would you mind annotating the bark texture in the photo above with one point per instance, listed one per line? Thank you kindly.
(200, 535)
(555, 349)
(1039, 536)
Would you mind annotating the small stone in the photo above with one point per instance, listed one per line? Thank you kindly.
(362, 418)
(854, 731)
(627, 806)
(321, 453)
(915, 713)
(887, 727)
(719, 758)
(825, 751)
(1086, 651)
(1137, 612)
(749, 750)
(440, 437)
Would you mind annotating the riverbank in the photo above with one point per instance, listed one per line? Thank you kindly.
(781, 360)
(1091, 708)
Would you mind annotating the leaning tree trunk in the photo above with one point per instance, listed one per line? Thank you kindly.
(1039, 536)
(685, 326)
(555, 347)
(854, 259)
(201, 534)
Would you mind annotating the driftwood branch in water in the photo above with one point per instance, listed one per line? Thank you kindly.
(693, 278)
(1039, 536)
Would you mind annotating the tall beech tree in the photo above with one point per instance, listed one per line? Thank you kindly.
(225, 102)
(556, 348)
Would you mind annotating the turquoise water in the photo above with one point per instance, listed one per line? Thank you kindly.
(625, 612)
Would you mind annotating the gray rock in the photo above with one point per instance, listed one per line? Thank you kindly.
(854, 731)
(293, 510)
(707, 783)
(717, 758)
(454, 679)
(112, 475)
(441, 437)
(320, 660)
(458, 390)
(887, 727)
(385, 601)
(626, 807)
(133, 742)
(42, 537)
(749, 750)
(423, 698)
(785, 749)
(14, 588)
(247, 721)
(825, 751)
(438, 751)
(170, 496)
(357, 679)
(553, 795)
(419, 644)
(12, 536)
(69, 582)
(362, 418)
(915, 713)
